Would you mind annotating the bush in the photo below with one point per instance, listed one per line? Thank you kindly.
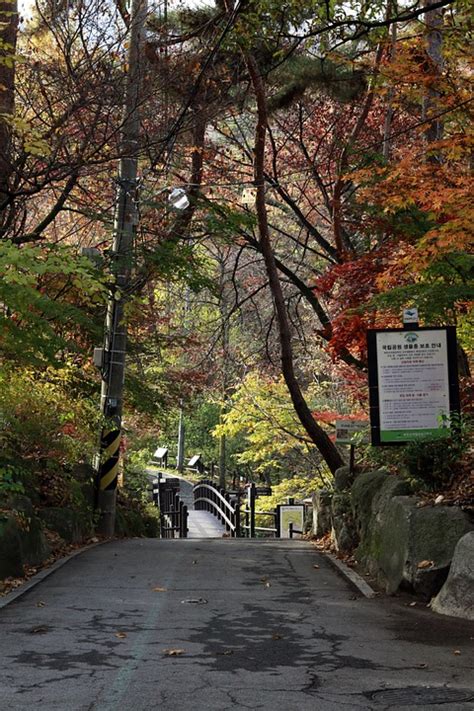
(434, 464)
(43, 419)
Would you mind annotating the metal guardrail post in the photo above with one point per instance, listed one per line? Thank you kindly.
(237, 521)
(184, 522)
(252, 497)
(227, 498)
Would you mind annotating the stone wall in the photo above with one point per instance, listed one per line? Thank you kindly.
(396, 539)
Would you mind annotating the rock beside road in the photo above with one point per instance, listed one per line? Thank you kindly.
(456, 597)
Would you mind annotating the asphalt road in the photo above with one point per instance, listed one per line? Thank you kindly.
(215, 625)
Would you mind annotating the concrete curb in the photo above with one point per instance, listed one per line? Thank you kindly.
(354, 578)
(39, 577)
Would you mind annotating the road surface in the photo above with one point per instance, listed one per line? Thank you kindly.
(224, 624)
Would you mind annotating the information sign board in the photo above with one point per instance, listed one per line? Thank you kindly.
(351, 431)
(413, 383)
(290, 513)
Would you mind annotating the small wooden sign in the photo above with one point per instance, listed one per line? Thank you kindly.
(352, 431)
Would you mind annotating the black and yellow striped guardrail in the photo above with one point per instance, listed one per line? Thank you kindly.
(109, 455)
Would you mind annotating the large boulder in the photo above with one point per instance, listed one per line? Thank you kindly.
(363, 490)
(456, 597)
(71, 525)
(403, 544)
(343, 531)
(10, 552)
(22, 541)
(321, 512)
(343, 478)
(434, 534)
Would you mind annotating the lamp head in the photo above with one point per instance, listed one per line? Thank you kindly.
(178, 199)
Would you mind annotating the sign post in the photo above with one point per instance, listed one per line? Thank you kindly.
(413, 383)
(351, 432)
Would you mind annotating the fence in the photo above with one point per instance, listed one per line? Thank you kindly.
(226, 506)
(251, 513)
(173, 512)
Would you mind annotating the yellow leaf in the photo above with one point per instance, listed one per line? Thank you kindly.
(425, 564)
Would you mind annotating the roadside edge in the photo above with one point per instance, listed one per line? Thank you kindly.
(354, 578)
(39, 577)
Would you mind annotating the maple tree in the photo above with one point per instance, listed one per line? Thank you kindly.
(326, 156)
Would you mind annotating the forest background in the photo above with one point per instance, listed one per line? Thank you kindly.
(326, 150)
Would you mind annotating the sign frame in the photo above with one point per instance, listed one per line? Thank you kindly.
(298, 509)
(374, 385)
(356, 429)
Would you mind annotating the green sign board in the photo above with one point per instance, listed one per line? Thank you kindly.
(413, 383)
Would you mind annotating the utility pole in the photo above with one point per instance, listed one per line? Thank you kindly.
(181, 425)
(115, 337)
(181, 435)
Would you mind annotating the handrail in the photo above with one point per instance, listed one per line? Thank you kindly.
(215, 491)
(213, 503)
(209, 496)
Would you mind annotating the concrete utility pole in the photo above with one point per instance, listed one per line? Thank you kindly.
(115, 340)
(181, 436)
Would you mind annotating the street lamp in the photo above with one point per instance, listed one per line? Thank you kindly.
(178, 199)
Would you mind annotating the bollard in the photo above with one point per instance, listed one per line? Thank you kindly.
(184, 522)
(237, 521)
(252, 497)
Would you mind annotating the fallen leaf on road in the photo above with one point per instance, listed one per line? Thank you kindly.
(268, 585)
(316, 567)
(194, 601)
(457, 651)
(173, 652)
(425, 564)
(276, 636)
(158, 589)
(42, 629)
(412, 604)
(121, 635)
(40, 604)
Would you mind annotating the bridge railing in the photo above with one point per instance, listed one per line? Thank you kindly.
(210, 497)
(173, 512)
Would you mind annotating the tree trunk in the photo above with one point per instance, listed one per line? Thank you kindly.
(434, 50)
(321, 440)
(8, 37)
(389, 112)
